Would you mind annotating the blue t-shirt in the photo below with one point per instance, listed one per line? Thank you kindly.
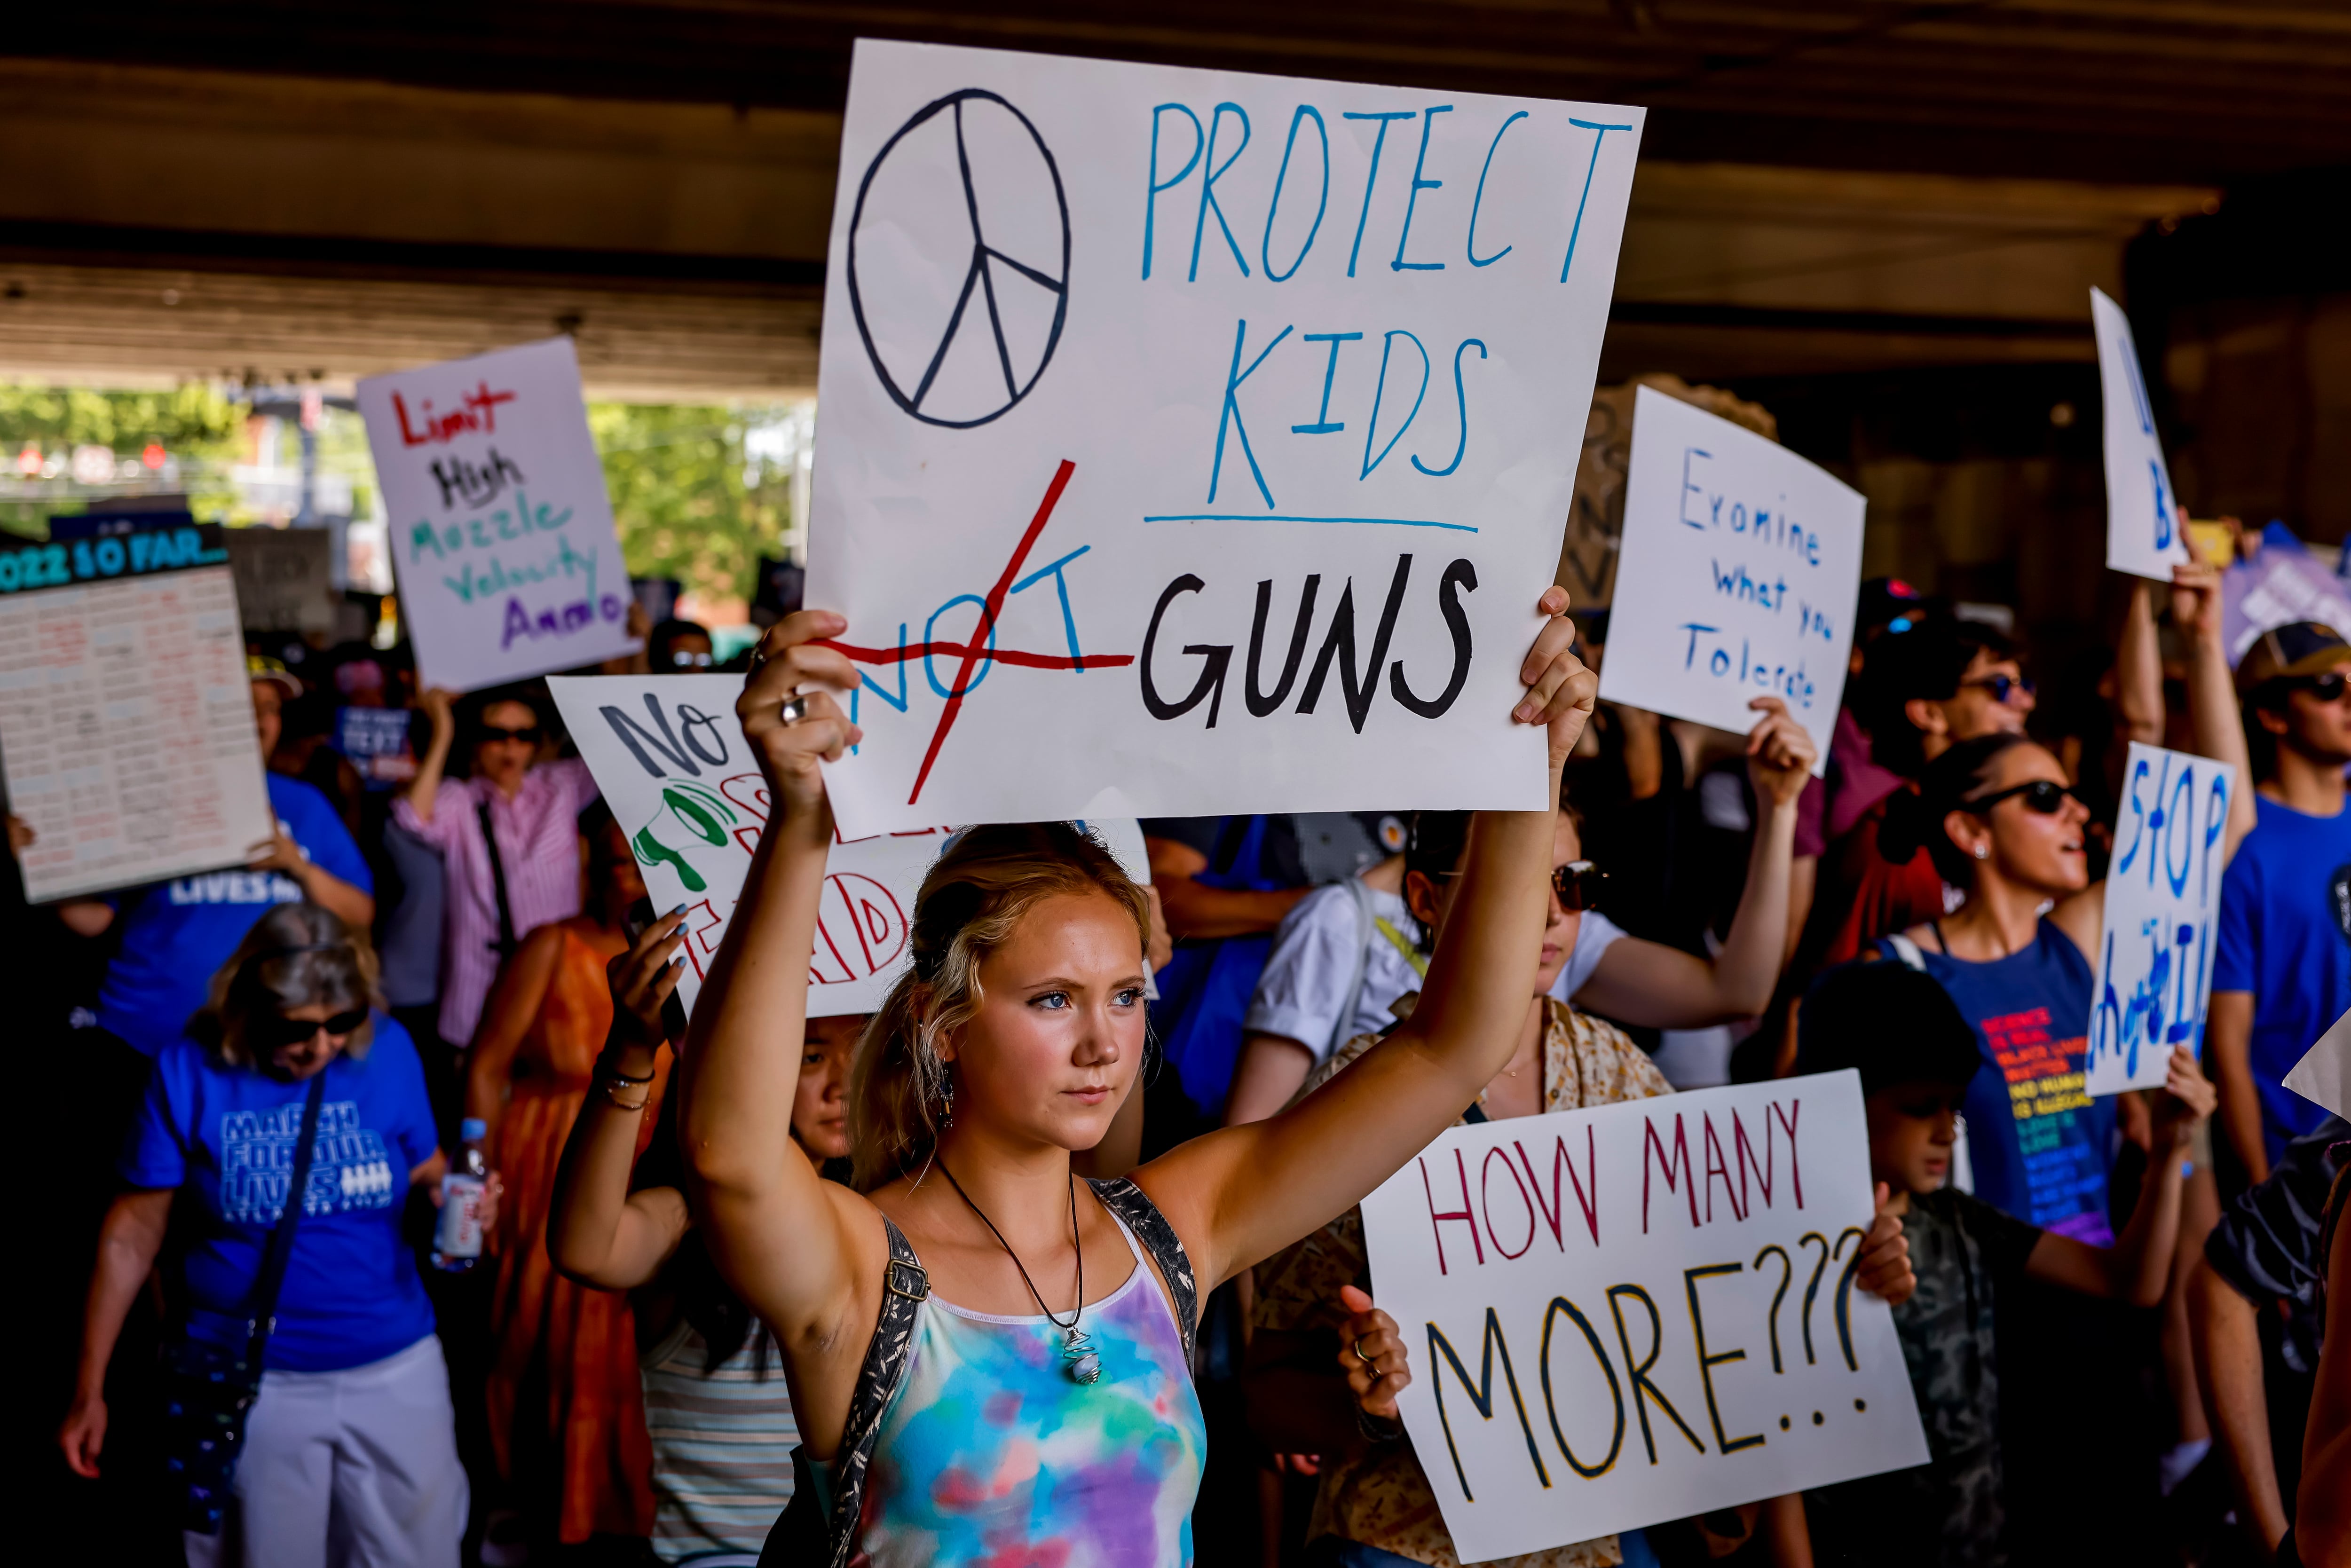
(227, 1134)
(177, 934)
(2285, 937)
(2039, 1146)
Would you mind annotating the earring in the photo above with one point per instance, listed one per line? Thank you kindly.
(1983, 852)
(946, 1103)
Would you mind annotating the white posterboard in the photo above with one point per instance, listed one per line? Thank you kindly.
(126, 719)
(500, 530)
(1641, 1311)
(2163, 902)
(672, 763)
(2323, 1074)
(1196, 441)
(2145, 535)
(1739, 571)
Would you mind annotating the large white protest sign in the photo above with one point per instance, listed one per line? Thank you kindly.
(500, 530)
(1740, 567)
(2145, 530)
(126, 719)
(2163, 901)
(1641, 1311)
(682, 781)
(1202, 436)
(2322, 1076)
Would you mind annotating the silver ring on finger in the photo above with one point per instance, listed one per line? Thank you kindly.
(1358, 1348)
(793, 708)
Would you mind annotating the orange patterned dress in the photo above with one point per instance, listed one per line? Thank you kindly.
(563, 1377)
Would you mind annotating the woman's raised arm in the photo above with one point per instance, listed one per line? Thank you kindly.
(1240, 1195)
(795, 1246)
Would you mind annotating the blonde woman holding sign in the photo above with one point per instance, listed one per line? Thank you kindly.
(968, 1301)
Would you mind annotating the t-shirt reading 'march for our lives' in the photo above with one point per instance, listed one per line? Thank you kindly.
(2037, 1142)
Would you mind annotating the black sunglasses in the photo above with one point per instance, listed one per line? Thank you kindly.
(2326, 688)
(275, 1031)
(686, 659)
(2000, 686)
(1576, 883)
(2042, 795)
(529, 736)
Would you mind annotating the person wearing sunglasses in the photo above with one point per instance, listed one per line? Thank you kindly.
(2281, 953)
(679, 648)
(1998, 821)
(507, 833)
(349, 1452)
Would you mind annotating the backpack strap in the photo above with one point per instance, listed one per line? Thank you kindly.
(803, 1537)
(1142, 1216)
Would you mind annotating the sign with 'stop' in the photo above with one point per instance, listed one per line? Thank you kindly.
(1198, 435)
(1740, 569)
(682, 781)
(2145, 531)
(1641, 1311)
(2163, 910)
(500, 531)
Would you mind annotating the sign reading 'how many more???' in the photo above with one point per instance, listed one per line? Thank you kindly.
(1740, 567)
(1202, 436)
(500, 530)
(1641, 1311)
(682, 781)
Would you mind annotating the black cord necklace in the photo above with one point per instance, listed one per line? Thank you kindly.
(1078, 1356)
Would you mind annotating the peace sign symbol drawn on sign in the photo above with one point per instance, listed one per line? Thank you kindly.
(908, 219)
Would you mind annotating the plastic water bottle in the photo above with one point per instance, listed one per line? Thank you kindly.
(457, 1240)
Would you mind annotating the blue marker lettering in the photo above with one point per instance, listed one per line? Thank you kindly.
(1151, 176)
(1471, 248)
(1321, 201)
(1231, 414)
(1427, 120)
(1461, 402)
(1372, 431)
(1691, 487)
(1372, 179)
(1322, 425)
(1576, 233)
(1208, 190)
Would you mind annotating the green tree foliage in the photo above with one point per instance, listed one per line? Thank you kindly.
(193, 421)
(692, 500)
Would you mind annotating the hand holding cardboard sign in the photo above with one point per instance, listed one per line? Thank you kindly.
(1560, 690)
(1884, 1268)
(1371, 1350)
(642, 981)
(1780, 752)
(789, 662)
(2188, 1097)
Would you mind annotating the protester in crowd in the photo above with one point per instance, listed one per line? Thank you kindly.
(567, 1414)
(408, 942)
(2324, 1523)
(2281, 955)
(679, 648)
(1374, 1506)
(1917, 1055)
(1339, 961)
(306, 750)
(2254, 1302)
(1011, 1042)
(176, 935)
(507, 833)
(349, 1453)
(717, 1407)
(2000, 822)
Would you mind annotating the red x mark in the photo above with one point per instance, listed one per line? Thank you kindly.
(971, 653)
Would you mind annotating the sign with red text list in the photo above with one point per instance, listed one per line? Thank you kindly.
(500, 530)
(1641, 1311)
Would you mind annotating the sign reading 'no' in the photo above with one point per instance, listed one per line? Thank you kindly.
(1196, 441)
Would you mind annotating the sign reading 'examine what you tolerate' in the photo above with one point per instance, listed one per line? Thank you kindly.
(1641, 1311)
(684, 785)
(1196, 441)
(1740, 567)
(500, 531)
(2163, 908)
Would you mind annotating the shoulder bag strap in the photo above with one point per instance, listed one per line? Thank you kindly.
(904, 1285)
(1134, 1206)
(1907, 950)
(261, 1312)
(505, 943)
(1366, 927)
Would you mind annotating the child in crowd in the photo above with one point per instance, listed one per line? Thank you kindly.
(1916, 1055)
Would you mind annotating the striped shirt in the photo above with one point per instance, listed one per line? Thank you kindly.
(723, 1446)
(538, 843)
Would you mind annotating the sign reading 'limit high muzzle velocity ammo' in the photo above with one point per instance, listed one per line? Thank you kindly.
(1198, 442)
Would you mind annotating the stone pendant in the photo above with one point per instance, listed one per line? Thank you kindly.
(1079, 1357)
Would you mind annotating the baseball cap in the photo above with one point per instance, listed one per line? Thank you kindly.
(260, 667)
(1885, 601)
(1894, 1023)
(2297, 648)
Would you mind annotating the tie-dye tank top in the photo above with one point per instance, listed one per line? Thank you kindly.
(989, 1454)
